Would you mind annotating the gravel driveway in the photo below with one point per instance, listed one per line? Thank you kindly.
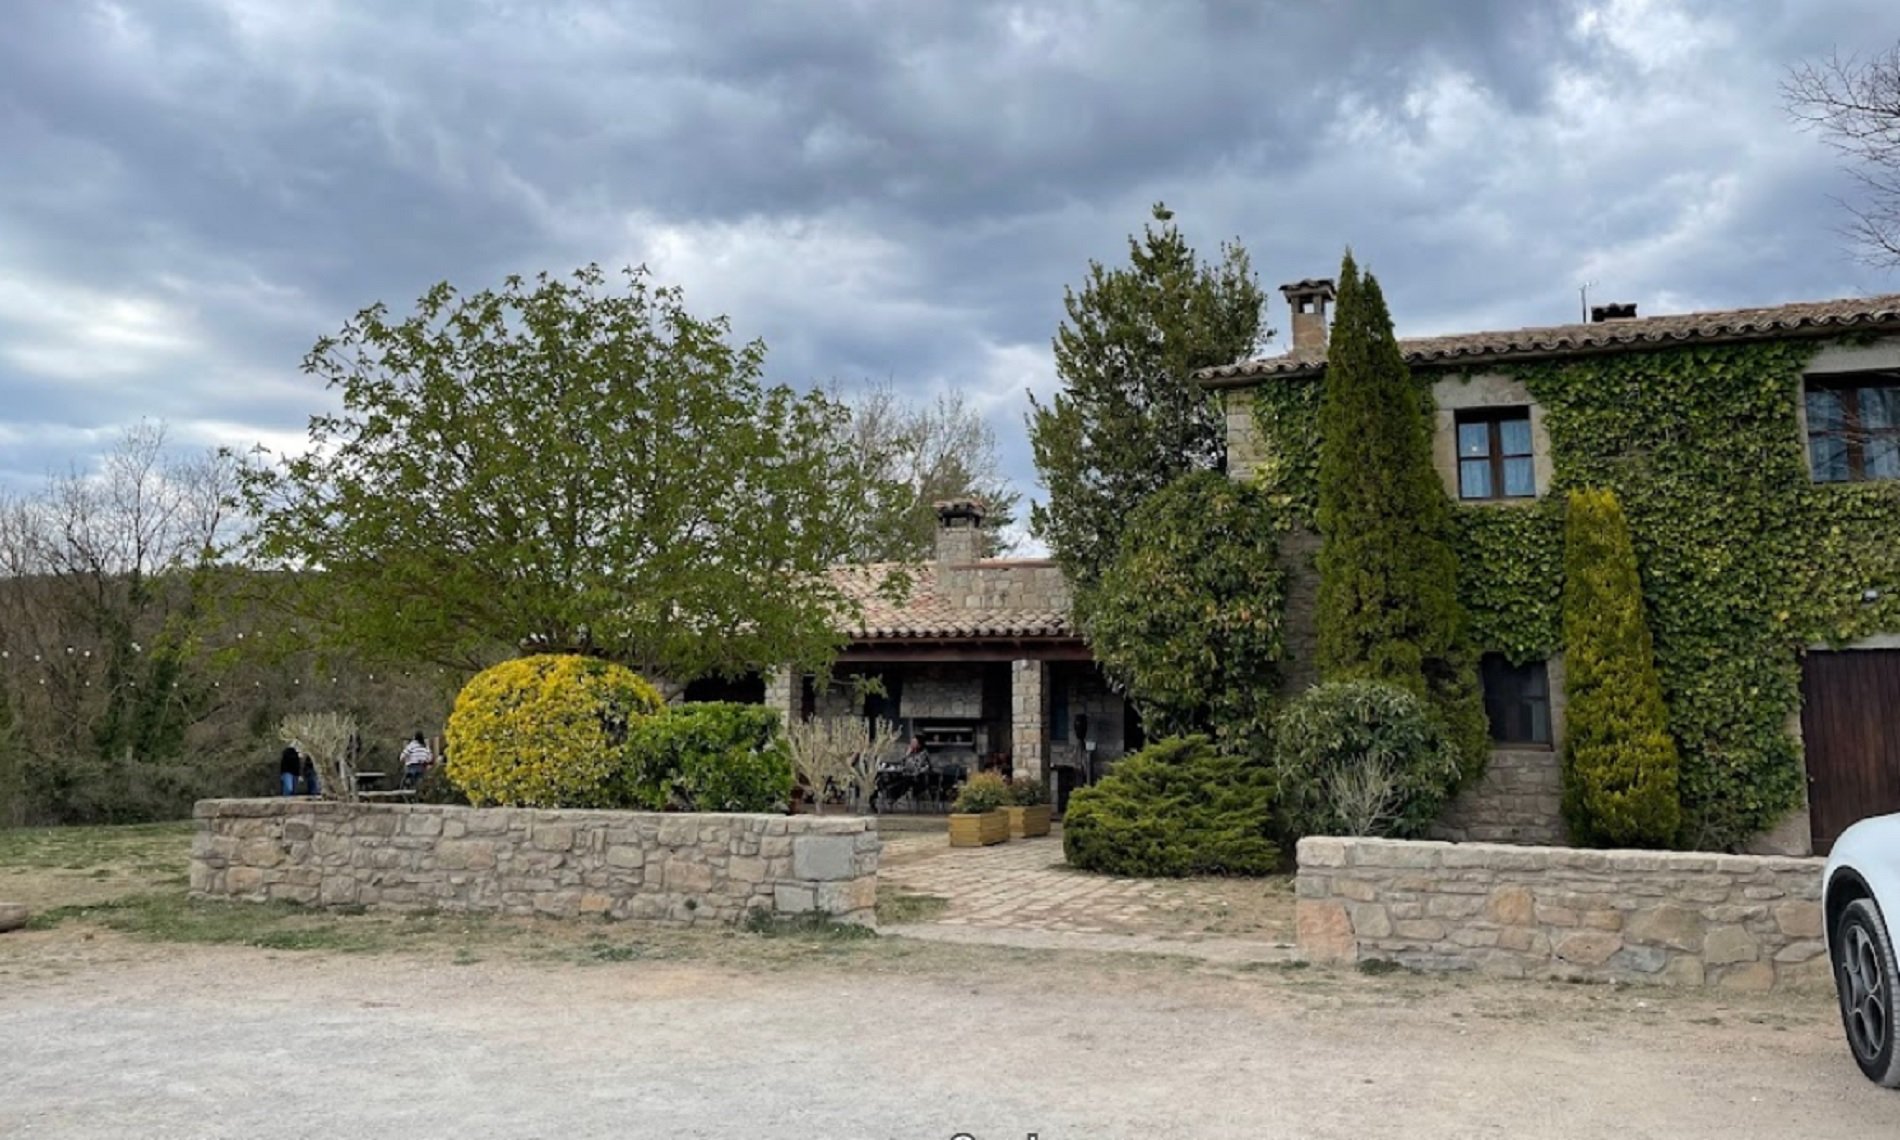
(173, 1041)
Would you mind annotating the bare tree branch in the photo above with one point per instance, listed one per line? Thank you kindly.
(1853, 104)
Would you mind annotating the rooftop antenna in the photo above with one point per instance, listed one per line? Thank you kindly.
(1583, 301)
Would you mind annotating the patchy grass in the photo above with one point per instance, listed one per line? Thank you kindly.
(601, 950)
(154, 848)
(55, 867)
(896, 907)
(820, 927)
(171, 917)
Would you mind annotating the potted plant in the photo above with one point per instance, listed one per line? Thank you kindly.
(977, 818)
(1027, 808)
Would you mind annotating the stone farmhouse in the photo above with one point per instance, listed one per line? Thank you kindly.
(1492, 445)
(978, 656)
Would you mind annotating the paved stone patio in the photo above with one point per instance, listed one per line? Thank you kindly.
(1024, 886)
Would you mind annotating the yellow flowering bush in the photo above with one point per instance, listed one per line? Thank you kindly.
(545, 731)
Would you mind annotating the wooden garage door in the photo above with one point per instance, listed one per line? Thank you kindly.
(1850, 725)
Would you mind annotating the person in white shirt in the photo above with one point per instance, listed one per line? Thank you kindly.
(416, 759)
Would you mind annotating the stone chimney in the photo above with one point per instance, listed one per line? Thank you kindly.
(1614, 312)
(959, 532)
(1309, 300)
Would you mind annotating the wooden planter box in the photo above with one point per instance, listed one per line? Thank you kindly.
(978, 830)
(1028, 822)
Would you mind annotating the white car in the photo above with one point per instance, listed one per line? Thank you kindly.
(1861, 889)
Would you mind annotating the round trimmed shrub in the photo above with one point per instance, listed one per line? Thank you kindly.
(545, 731)
(1362, 758)
(1178, 807)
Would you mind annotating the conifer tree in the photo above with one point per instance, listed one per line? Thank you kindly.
(1129, 419)
(1620, 764)
(1388, 577)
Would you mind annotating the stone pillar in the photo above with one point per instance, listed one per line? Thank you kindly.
(781, 694)
(1029, 718)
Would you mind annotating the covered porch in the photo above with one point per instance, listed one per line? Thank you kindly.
(975, 656)
(1039, 712)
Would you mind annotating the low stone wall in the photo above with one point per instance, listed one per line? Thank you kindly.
(1741, 922)
(679, 868)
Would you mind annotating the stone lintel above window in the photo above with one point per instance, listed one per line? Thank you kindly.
(1488, 440)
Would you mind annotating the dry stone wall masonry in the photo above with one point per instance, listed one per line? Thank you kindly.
(1741, 922)
(942, 692)
(691, 869)
(1019, 584)
(1518, 799)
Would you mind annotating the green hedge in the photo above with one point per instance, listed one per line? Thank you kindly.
(711, 756)
(1178, 807)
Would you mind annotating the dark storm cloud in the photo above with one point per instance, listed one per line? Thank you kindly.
(193, 191)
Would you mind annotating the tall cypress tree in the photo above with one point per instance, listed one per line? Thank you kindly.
(1388, 577)
(1129, 418)
(1620, 764)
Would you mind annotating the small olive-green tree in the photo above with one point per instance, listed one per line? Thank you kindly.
(1620, 763)
(836, 756)
(325, 738)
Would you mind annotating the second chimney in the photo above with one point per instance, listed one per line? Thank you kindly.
(959, 532)
(1309, 300)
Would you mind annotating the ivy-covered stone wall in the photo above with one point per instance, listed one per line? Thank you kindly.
(1745, 560)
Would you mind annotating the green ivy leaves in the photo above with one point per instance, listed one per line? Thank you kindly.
(1744, 560)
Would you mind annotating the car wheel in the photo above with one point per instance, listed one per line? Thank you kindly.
(1865, 977)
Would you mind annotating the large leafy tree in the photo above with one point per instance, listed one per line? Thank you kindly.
(1388, 577)
(1129, 419)
(924, 452)
(575, 462)
(1620, 763)
(1189, 618)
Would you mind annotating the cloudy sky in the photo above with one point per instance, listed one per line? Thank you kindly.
(191, 191)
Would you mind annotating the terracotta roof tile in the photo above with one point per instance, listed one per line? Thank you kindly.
(924, 613)
(1807, 318)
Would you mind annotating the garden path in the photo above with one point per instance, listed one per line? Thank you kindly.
(1024, 886)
